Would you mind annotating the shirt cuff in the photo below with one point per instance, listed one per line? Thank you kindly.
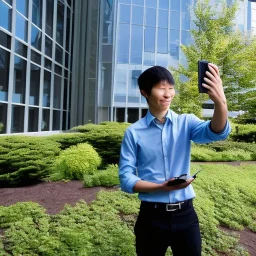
(131, 183)
(223, 134)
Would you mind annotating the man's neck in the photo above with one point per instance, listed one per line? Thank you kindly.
(160, 116)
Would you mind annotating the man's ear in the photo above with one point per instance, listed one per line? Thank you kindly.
(144, 93)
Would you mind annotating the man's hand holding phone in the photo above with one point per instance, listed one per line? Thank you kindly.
(179, 182)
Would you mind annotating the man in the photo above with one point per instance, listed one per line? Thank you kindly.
(156, 149)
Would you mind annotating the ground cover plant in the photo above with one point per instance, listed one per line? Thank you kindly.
(225, 196)
(25, 159)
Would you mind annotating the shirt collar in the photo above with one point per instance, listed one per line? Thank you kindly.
(150, 117)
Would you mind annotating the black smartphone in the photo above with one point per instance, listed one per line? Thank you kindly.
(178, 180)
(202, 68)
(194, 176)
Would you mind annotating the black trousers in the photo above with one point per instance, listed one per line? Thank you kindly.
(156, 229)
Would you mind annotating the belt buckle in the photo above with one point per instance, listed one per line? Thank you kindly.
(169, 209)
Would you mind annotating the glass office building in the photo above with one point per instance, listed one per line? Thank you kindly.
(35, 65)
(69, 62)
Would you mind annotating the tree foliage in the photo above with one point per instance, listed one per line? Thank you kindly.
(233, 51)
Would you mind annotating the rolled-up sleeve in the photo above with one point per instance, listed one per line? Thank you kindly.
(201, 132)
(128, 163)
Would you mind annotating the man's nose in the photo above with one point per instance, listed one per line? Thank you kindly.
(167, 93)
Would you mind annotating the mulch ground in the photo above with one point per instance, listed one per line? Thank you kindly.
(54, 195)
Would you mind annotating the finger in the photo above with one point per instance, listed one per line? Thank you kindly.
(214, 68)
(209, 82)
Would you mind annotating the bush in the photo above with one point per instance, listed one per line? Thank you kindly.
(106, 138)
(67, 140)
(244, 132)
(107, 178)
(76, 161)
(25, 159)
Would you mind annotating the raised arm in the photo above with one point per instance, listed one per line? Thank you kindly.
(216, 94)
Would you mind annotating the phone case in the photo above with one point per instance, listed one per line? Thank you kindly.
(178, 180)
(202, 68)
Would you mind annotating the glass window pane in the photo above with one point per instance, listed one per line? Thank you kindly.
(138, 2)
(56, 120)
(65, 98)
(60, 23)
(175, 20)
(34, 85)
(49, 17)
(17, 124)
(123, 43)
(4, 74)
(66, 60)
(185, 38)
(45, 125)
(58, 69)
(5, 40)
(37, 12)
(133, 115)
(35, 57)
(120, 84)
(47, 89)
(162, 60)
(163, 19)
(149, 40)
(136, 44)
(47, 63)
(68, 30)
(19, 81)
(185, 20)
(21, 27)
(174, 43)
(185, 4)
(33, 119)
(175, 5)
(64, 120)
(5, 16)
(3, 117)
(9, 2)
(57, 91)
(20, 48)
(149, 59)
(48, 46)
(36, 38)
(150, 17)
(120, 112)
(58, 54)
(162, 40)
(125, 13)
(22, 7)
(125, 1)
(133, 88)
(137, 15)
(164, 4)
(151, 3)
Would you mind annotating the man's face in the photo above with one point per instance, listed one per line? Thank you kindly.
(161, 96)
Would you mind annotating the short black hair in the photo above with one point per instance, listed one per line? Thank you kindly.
(153, 76)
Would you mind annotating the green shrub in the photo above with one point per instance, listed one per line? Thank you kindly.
(244, 132)
(107, 178)
(25, 159)
(223, 151)
(67, 140)
(106, 138)
(75, 162)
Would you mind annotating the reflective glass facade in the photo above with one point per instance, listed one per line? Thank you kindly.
(149, 32)
(35, 65)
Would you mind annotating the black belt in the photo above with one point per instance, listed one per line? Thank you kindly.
(169, 207)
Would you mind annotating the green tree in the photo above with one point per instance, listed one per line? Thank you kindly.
(233, 51)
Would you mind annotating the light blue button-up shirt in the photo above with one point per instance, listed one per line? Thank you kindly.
(156, 153)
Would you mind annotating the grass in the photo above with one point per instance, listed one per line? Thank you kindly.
(225, 196)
